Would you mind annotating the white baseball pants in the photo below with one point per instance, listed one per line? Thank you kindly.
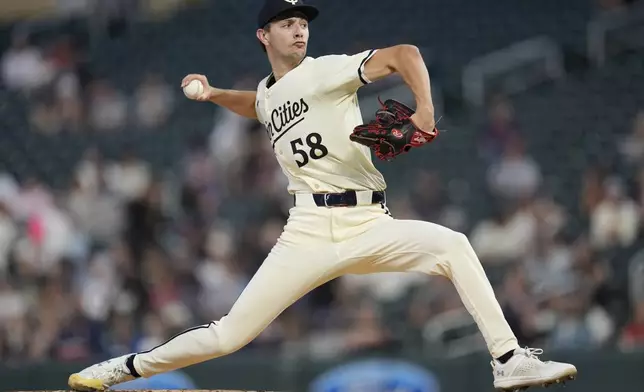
(319, 244)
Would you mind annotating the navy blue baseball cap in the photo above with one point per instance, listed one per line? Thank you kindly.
(273, 9)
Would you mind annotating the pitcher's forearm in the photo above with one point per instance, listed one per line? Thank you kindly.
(238, 101)
(411, 67)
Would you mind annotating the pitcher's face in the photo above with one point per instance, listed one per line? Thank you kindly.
(286, 38)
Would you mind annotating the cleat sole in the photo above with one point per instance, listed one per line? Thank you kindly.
(559, 380)
(81, 384)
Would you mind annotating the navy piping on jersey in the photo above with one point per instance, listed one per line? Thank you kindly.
(270, 81)
(362, 79)
(384, 207)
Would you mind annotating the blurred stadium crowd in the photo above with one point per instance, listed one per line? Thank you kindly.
(123, 255)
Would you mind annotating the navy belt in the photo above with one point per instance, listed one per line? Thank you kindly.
(345, 199)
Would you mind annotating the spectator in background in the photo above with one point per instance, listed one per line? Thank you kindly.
(230, 130)
(116, 16)
(591, 269)
(74, 339)
(24, 67)
(505, 238)
(577, 322)
(153, 101)
(8, 233)
(419, 311)
(615, 221)
(592, 191)
(121, 335)
(129, 178)
(14, 324)
(9, 190)
(632, 336)
(636, 277)
(632, 146)
(153, 332)
(500, 128)
(515, 176)
(366, 331)
(387, 287)
(454, 214)
(89, 173)
(44, 116)
(9, 197)
(66, 84)
(74, 8)
(163, 289)
(220, 277)
(68, 101)
(97, 214)
(450, 330)
(521, 306)
(200, 193)
(49, 232)
(431, 200)
(550, 216)
(427, 194)
(100, 286)
(144, 222)
(265, 174)
(49, 319)
(550, 259)
(107, 109)
(13, 305)
(639, 190)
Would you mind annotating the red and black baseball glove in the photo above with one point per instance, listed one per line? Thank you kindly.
(392, 132)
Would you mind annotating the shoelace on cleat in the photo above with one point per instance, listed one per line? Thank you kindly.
(528, 352)
(532, 352)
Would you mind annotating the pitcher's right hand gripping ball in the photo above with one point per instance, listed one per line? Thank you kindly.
(392, 132)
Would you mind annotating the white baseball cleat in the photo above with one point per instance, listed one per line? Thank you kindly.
(101, 376)
(525, 370)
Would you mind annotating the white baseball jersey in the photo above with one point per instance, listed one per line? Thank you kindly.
(309, 114)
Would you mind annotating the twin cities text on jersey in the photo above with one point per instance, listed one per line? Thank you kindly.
(285, 117)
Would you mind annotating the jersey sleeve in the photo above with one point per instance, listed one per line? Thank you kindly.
(343, 74)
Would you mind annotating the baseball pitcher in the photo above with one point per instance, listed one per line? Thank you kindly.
(339, 223)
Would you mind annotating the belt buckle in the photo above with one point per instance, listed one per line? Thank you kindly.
(326, 199)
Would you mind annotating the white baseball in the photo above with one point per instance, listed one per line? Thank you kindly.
(193, 89)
